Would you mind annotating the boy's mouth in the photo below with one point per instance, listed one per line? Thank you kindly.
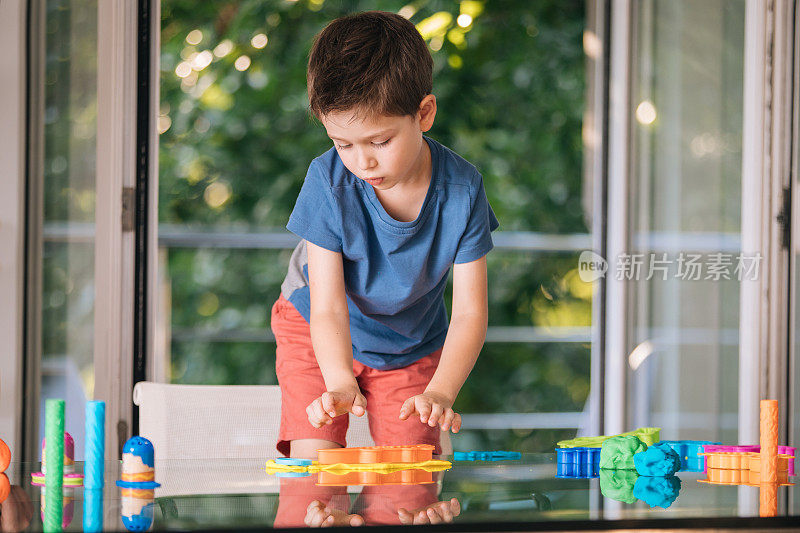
(374, 181)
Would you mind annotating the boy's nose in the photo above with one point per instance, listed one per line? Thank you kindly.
(365, 162)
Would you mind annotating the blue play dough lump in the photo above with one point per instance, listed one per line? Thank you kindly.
(658, 460)
(657, 491)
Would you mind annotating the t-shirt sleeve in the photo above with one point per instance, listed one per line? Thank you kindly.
(476, 240)
(314, 217)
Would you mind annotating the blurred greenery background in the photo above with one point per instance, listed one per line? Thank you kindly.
(236, 141)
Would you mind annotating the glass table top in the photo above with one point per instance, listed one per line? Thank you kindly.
(521, 494)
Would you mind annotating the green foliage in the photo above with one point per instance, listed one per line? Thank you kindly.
(513, 108)
(534, 378)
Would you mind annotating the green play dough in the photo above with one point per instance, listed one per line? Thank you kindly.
(647, 435)
(617, 452)
(618, 484)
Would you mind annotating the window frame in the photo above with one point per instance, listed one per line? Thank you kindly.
(766, 160)
(128, 40)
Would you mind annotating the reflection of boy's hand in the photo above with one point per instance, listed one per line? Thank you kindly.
(331, 404)
(319, 515)
(16, 511)
(436, 513)
(433, 409)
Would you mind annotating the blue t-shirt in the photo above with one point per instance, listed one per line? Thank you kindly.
(395, 273)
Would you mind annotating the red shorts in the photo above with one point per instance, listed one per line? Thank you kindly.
(385, 390)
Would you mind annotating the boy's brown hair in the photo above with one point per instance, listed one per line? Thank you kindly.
(373, 62)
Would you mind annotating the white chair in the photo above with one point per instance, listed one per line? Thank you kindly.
(209, 421)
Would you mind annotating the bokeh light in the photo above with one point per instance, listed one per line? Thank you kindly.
(202, 60)
(183, 69)
(194, 37)
(242, 63)
(223, 48)
(646, 112)
(407, 11)
(164, 122)
(259, 40)
(217, 193)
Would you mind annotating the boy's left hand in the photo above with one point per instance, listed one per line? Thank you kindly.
(433, 409)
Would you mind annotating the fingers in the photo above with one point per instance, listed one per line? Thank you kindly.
(444, 511)
(356, 520)
(433, 515)
(315, 504)
(431, 413)
(456, 427)
(455, 507)
(441, 512)
(315, 514)
(320, 414)
(407, 409)
(436, 415)
(423, 407)
(317, 415)
(447, 419)
(405, 517)
(329, 403)
(359, 406)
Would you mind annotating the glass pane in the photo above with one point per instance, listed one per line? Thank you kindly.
(685, 198)
(236, 143)
(70, 113)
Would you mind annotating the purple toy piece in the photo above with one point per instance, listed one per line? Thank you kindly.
(709, 448)
(788, 450)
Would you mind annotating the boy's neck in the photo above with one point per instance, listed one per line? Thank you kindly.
(422, 174)
(404, 202)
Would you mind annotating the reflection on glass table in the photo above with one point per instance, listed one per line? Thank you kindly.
(523, 494)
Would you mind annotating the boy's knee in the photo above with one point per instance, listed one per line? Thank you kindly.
(307, 448)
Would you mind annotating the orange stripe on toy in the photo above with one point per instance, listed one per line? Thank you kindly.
(769, 440)
(139, 476)
(143, 494)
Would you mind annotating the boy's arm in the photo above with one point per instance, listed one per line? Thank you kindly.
(330, 337)
(465, 338)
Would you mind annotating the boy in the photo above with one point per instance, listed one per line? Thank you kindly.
(361, 324)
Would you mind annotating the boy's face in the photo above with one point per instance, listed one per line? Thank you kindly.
(384, 151)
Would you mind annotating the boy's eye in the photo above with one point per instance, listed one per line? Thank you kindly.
(375, 144)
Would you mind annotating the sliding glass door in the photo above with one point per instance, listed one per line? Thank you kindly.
(64, 111)
(81, 214)
(685, 261)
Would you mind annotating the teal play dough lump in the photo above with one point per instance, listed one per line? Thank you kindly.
(618, 485)
(657, 460)
(617, 452)
(657, 491)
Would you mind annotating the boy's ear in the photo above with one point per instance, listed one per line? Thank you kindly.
(427, 112)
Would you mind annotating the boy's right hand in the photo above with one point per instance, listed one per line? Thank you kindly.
(331, 404)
